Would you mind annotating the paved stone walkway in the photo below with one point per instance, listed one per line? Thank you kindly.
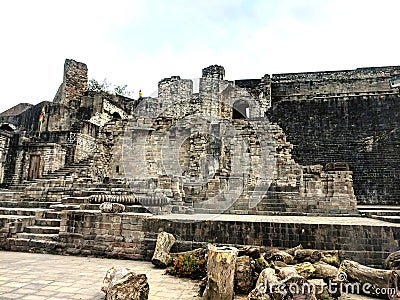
(31, 276)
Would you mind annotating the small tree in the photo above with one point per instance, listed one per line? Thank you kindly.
(104, 86)
(98, 87)
(122, 90)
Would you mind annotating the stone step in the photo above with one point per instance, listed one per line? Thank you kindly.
(377, 207)
(36, 190)
(75, 200)
(271, 204)
(26, 204)
(42, 230)
(37, 236)
(51, 214)
(32, 245)
(207, 211)
(19, 186)
(20, 211)
(11, 195)
(385, 212)
(136, 209)
(65, 206)
(48, 222)
(391, 219)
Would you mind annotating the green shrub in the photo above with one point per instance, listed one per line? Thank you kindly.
(323, 297)
(188, 265)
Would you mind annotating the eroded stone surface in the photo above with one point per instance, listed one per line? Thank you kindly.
(125, 284)
(110, 207)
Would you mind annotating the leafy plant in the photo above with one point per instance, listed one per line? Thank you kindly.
(122, 90)
(323, 297)
(96, 86)
(188, 265)
(104, 86)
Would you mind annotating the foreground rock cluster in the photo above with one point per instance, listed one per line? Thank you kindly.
(296, 273)
(261, 273)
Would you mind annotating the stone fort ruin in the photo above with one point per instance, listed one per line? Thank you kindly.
(313, 144)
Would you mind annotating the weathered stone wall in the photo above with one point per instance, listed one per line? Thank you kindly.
(74, 84)
(9, 156)
(105, 109)
(348, 116)
(130, 235)
(360, 130)
(366, 244)
(10, 225)
(233, 163)
(85, 147)
(52, 157)
(103, 234)
(5, 140)
(259, 88)
(210, 90)
(174, 94)
(315, 84)
(107, 151)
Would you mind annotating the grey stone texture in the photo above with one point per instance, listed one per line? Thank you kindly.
(310, 144)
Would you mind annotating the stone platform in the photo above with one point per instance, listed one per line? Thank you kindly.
(133, 235)
(363, 239)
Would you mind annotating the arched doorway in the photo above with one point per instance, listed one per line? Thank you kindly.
(240, 110)
(116, 116)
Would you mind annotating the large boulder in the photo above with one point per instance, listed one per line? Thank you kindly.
(243, 275)
(161, 257)
(221, 265)
(121, 284)
(393, 261)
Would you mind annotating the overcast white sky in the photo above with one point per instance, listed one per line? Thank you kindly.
(140, 42)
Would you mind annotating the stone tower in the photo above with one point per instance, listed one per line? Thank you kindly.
(175, 94)
(75, 82)
(214, 71)
(212, 83)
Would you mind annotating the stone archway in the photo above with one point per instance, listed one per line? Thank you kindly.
(240, 110)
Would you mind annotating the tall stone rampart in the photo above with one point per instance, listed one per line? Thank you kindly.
(360, 130)
(294, 86)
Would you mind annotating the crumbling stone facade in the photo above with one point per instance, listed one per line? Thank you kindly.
(282, 145)
(74, 84)
(217, 150)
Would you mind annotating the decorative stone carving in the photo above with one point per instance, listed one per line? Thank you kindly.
(109, 207)
(125, 199)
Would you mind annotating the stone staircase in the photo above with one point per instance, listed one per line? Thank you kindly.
(30, 212)
(388, 213)
(57, 184)
(29, 226)
(45, 229)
